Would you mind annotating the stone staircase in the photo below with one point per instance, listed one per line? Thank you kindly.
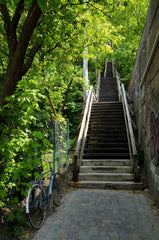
(108, 86)
(106, 161)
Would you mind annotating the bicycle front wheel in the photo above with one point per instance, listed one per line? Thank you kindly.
(58, 191)
(36, 206)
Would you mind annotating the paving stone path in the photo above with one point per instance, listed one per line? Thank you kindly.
(102, 215)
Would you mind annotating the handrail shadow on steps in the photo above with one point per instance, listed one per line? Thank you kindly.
(83, 132)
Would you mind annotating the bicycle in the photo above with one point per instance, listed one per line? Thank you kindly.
(37, 199)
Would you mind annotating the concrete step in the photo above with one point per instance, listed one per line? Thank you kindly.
(108, 99)
(108, 131)
(105, 169)
(104, 103)
(107, 105)
(107, 122)
(109, 82)
(104, 92)
(106, 118)
(107, 115)
(107, 150)
(110, 155)
(106, 144)
(107, 134)
(108, 128)
(106, 139)
(106, 177)
(103, 117)
(127, 185)
(110, 137)
(106, 162)
(105, 112)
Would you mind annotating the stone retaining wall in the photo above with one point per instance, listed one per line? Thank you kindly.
(144, 90)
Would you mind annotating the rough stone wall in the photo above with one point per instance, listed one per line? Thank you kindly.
(144, 90)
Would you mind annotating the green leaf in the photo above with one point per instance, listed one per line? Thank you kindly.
(45, 142)
(42, 4)
(38, 134)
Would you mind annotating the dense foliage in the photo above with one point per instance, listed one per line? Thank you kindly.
(41, 51)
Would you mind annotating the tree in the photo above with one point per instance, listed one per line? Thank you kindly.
(31, 26)
(129, 17)
(37, 26)
(18, 46)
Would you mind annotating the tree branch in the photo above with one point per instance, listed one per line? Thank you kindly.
(75, 4)
(11, 25)
(17, 15)
(46, 91)
(29, 62)
(51, 104)
(66, 95)
(7, 23)
(28, 28)
(5, 16)
(12, 40)
(17, 60)
(91, 5)
(53, 48)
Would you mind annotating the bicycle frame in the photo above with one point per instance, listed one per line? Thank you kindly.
(42, 187)
(50, 183)
(38, 199)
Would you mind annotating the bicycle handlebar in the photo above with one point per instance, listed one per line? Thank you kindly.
(49, 162)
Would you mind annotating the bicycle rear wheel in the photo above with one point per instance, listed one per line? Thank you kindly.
(58, 191)
(36, 206)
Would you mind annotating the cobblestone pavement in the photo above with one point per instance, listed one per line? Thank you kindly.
(102, 215)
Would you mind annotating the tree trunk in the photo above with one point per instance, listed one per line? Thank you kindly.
(13, 74)
(66, 96)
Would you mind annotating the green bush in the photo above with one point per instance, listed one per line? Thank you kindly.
(24, 127)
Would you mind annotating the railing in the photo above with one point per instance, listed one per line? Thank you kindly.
(105, 71)
(98, 85)
(128, 122)
(83, 132)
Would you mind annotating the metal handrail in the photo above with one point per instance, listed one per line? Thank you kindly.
(83, 132)
(98, 85)
(105, 71)
(118, 85)
(128, 119)
(128, 122)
